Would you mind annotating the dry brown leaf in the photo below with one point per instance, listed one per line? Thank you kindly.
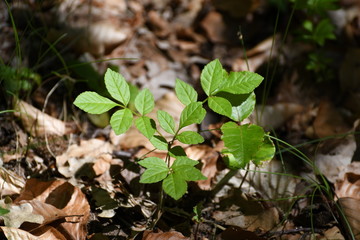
(265, 221)
(94, 151)
(329, 121)
(38, 123)
(351, 209)
(273, 117)
(48, 233)
(64, 196)
(96, 33)
(10, 182)
(19, 213)
(333, 233)
(214, 26)
(257, 56)
(161, 27)
(332, 163)
(348, 182)
(172, 235)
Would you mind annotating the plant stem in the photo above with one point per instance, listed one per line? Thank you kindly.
(223, 181)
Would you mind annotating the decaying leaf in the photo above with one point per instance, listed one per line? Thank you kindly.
(172, 235)
(94, 152)
(329, 121)
(273, 117)
(70, 203)
(19, 214)
(38, 123)
(48, 233)
(332, 163)
(265, 220)
(10, 182)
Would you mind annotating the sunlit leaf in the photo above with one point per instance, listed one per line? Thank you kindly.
(242, 105)
(220, 105)
(242, 141)
(144, 101)
(190, 137)
(117, 86)
(146, 126)
(92, 102)
(211, 77)
(241, 82)
(192, 113)
(174, 185)
(159, 142)
(185, 93)
(166, 121)
(266, 151)
(121, 121)
(156, 170)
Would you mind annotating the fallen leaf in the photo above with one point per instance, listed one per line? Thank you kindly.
(38, 123)
(332, 163)
(329, 121)
(48, 233)
(172, 235)
(266, 220)
(10, 182)
(63, 196)
(95, 152)
(19, 214)
(214, 26)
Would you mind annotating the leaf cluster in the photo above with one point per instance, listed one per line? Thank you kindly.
(229, 94)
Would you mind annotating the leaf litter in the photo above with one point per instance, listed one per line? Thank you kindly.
(174, 40)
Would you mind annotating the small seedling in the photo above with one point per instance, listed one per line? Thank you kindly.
(228, 94)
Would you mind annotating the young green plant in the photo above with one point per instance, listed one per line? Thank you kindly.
(228, 94)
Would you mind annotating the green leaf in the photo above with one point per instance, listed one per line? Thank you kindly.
(117, 86)
(166, 121)
(220, 105)
(121, 120)
(144, 101)
(324, 30)
(242, 104)
(146, 126)
(232, 162)
(242, 141)
(159, 142)
(211, 77)
(185, 93)
(185, 166)
(183, 161)
(174, 185)
(134, 91)
(177, 151)
(3, 211)
(266, 151)
(190, 173)
(92, 102)
(241, 82)
(156, 170)
(192, 113)
(190, 137)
